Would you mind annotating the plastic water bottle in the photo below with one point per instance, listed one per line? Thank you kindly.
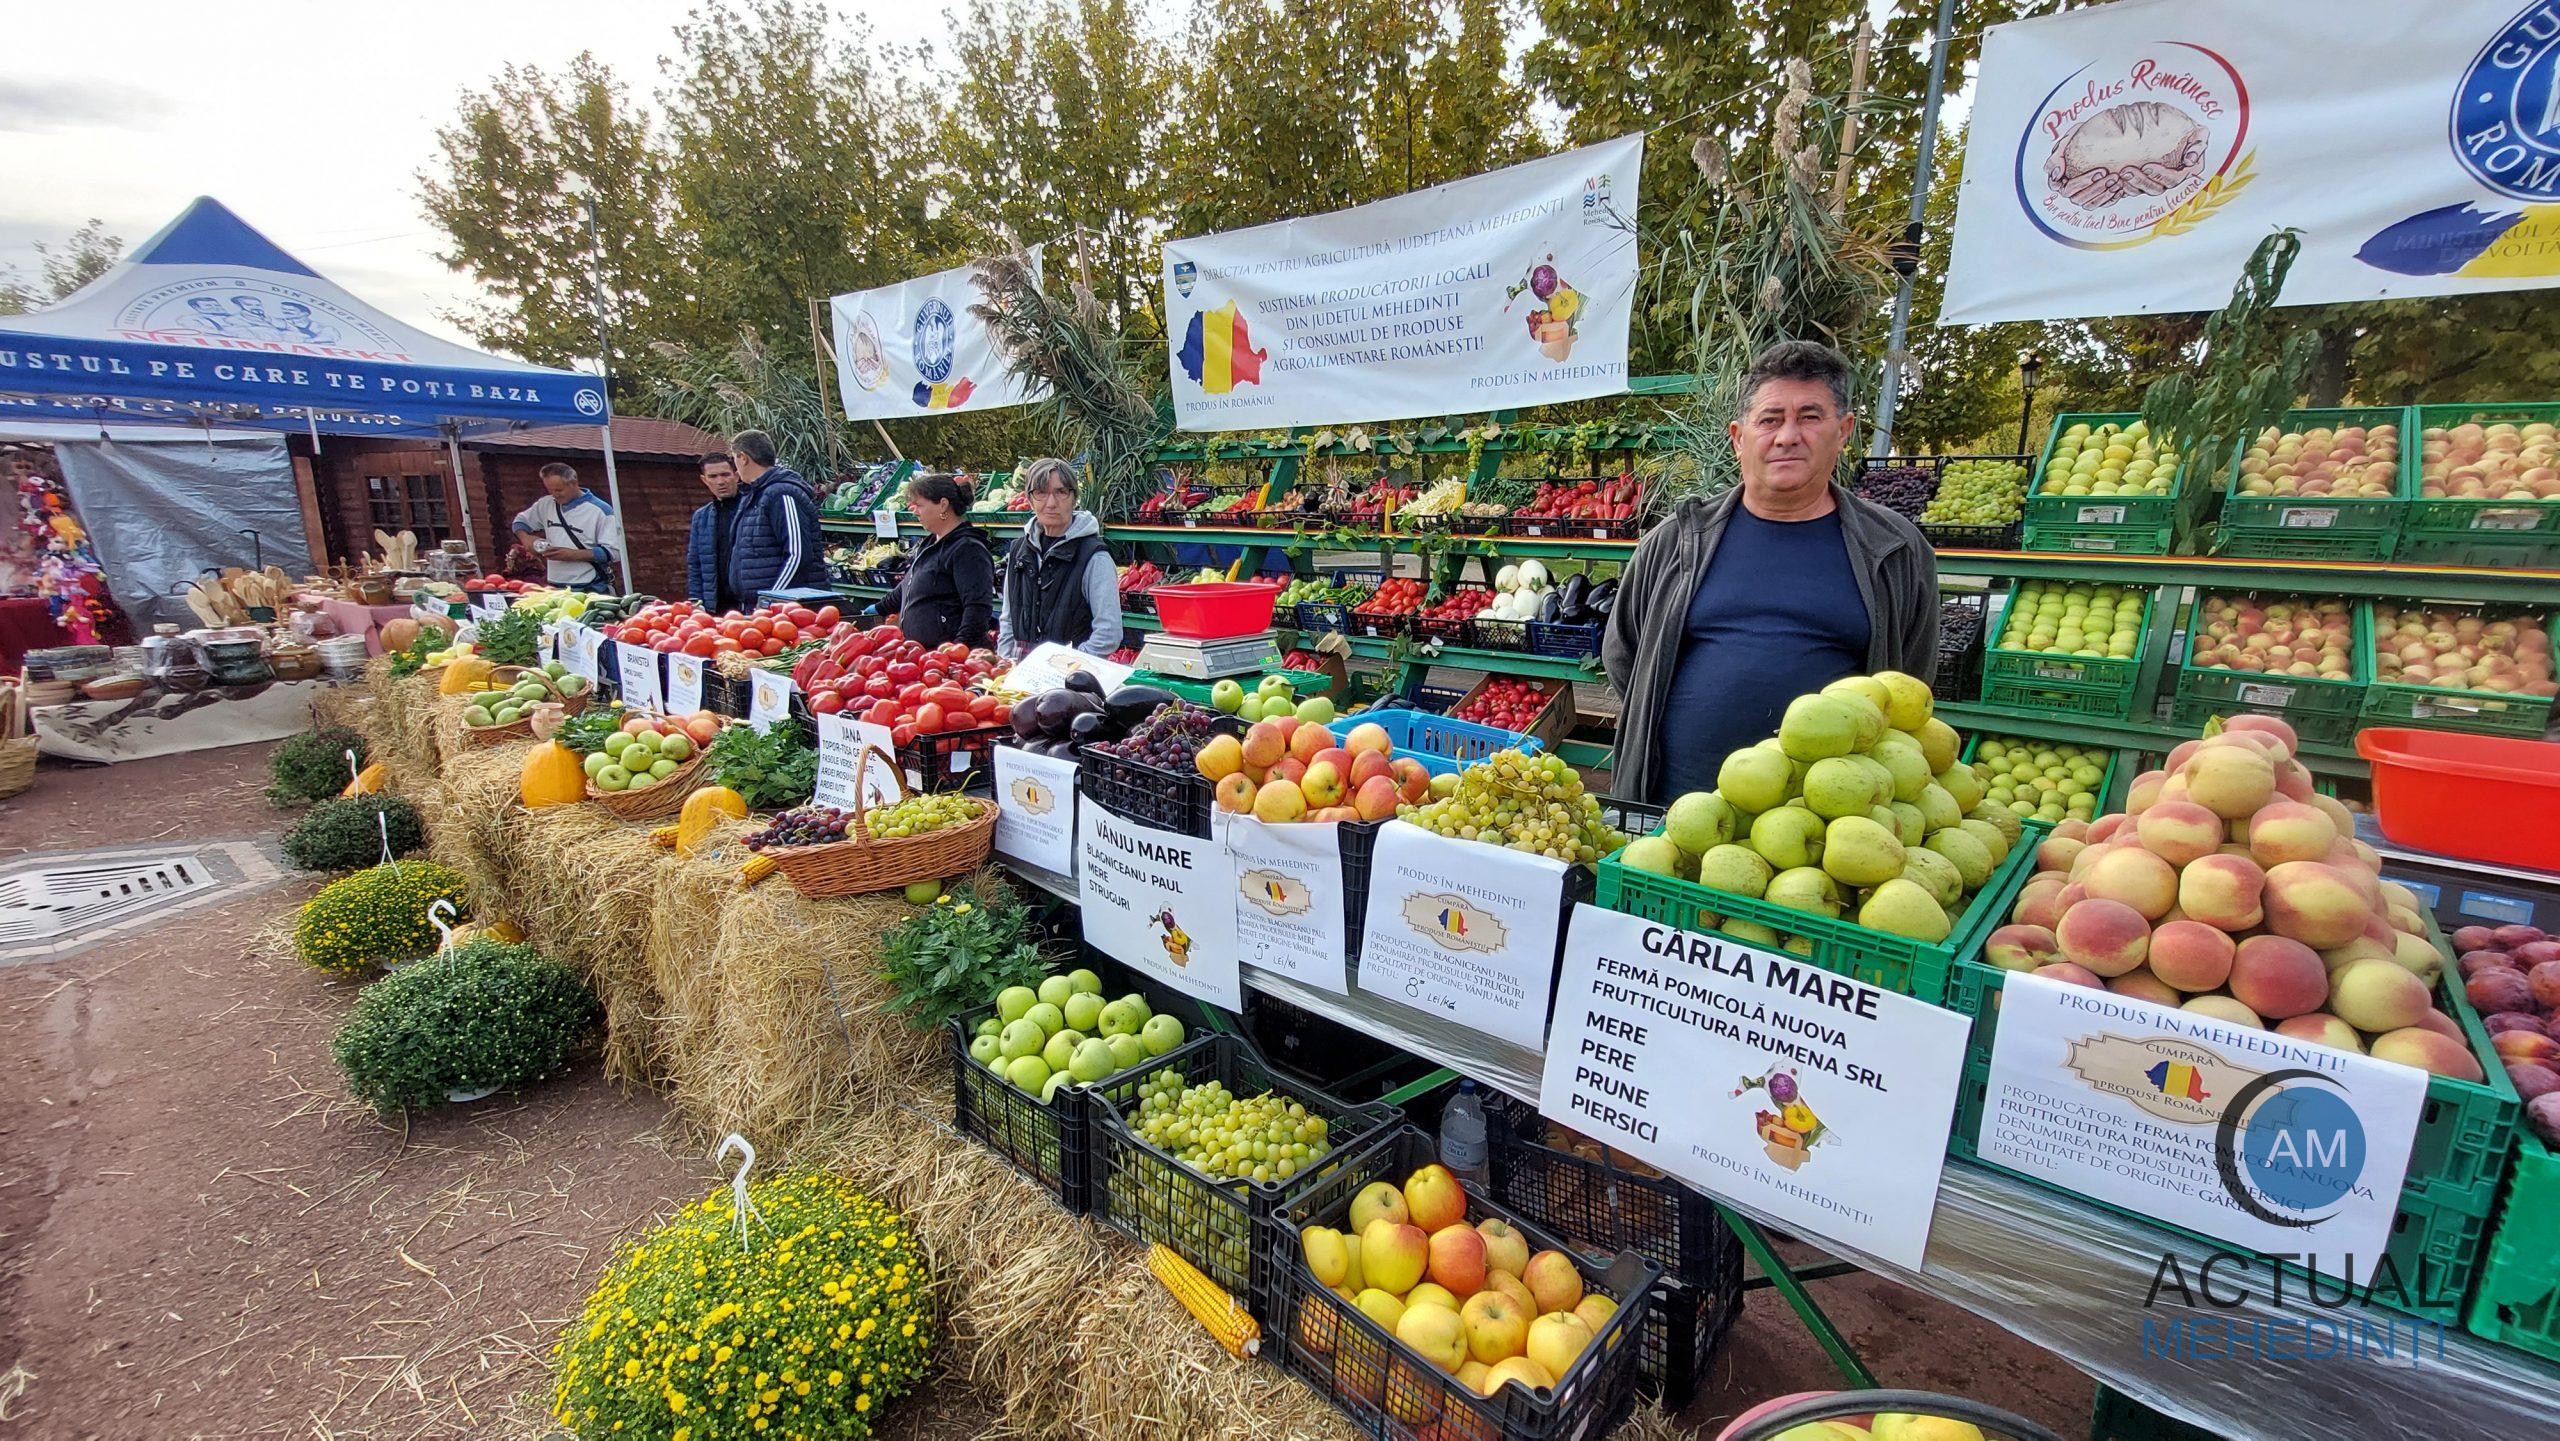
(1462, 1135)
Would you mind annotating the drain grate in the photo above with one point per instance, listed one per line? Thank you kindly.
(54, 904)
(47, 904)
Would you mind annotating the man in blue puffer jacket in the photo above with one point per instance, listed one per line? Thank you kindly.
(776, 545)
(707, 539)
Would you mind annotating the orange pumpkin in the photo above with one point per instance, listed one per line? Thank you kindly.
(704, 810)
(367, 782)
(552, 776)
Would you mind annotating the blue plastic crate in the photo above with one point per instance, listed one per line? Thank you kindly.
(1564, 642)
(1444, 746)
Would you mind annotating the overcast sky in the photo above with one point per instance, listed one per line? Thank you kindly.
(311, 120)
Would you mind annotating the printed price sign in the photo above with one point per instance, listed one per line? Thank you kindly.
(636, 671)
(2101, 515)
(1289, 899)
(1036, 810)
(884, 524)
(579, 648)
(768, 698)
(684, 684)
(1758, 1077)
(1160, 903)
(490, 603)
(844, 767)
(1462, 932)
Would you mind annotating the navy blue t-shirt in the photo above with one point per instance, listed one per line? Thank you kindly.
(1776, 615)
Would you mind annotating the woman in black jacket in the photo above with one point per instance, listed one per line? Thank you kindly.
(950, 589)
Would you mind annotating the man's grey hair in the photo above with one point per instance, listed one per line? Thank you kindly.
(1798, 360)
(755, 445)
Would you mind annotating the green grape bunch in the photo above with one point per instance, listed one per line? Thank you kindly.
(1264, 1138)
(918, 814)
(1530, 803)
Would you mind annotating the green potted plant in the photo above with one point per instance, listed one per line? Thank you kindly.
(482, 1017)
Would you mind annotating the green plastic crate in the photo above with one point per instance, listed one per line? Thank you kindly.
(2099, 539)
(2081, 672)
(2478, 532)
(2319, 527)
(2517, 1300)
(1308, 684)
(2191, 715)
(2106, 776)
(2058, 699)
(2074, 511)
(2466, 1135)
(2318, 709)
(2449, 708)
(1912, 968)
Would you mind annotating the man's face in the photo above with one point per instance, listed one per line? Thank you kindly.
(1788, 440)
(721, 480)
(563, 488)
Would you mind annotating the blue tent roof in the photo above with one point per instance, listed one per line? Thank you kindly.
(209, 321)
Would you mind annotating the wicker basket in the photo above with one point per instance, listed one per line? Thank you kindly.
(862, 865)
(657, 801)
(17, 765)
(521, 728)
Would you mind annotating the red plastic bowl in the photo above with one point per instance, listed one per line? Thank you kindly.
(2492, 799)
(1214, 610)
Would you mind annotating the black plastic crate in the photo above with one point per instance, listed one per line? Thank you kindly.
(1563, 641)
(948, 760)
(1139, 1189)
(1486, 634)
(1317, 1051)
(1685, 1329)
(724, 695)
(1042, 1140)
(1975, 537)
(1358, 842)
(1437, 698)
(1137, 791)
(1961, 620)
(1387, 1390)
(1604, 1208)
(1449, 630)
(1381, 627)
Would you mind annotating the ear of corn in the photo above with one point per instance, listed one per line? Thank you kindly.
(662, 836)
(756, 869)
(1226, 1321)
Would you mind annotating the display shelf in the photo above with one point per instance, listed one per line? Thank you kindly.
(2309, 577)
(2137, 735)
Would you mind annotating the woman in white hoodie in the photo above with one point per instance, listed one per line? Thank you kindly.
(1059, 581)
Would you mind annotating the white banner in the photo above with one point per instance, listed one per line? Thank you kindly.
(1507, 289)
(1162, 903)
(1036, 810)
(1289, 898)
(2242, 1134)
(914, 349)
(1462, 931)
(1759, 1077)
(2125, 159)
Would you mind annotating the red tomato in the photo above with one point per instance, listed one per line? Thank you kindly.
(828, 615)
(801, 615)
(1001, 715)
(697, 645)
(902, 735)
(723, 645)
(928, 719)
(786, 631)
(751, 635)
(982, 708)
(770, 646)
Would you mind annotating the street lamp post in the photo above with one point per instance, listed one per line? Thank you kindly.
(577, 188)
(2028, 364)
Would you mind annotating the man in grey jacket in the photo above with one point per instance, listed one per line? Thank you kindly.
(1739, 603)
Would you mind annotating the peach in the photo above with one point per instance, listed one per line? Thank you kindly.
(2175, 788)
(2144, 793)
(2314, 903)
(2178, 756)
(2284, 831)
(2090, 855)
(2020, 947)
(2424, 1049)
(2278, 978)
(2222, 891)
(2526, 1048)
(2263, 725)
(2179, 831)
(2294, 783)
(2443, 1025)
(2036, 903)
(2375, 996)
(2418, 954)
(2064, 899)
(2362, 948)
(2191, 955)
(1457, 1262)
(2321, 1028)
(2230, 780)
(2144, 986)
(2224, 1008)
(2055, 853)
(2071, 975)
(2337, 812)
(2074, 829)
(2104, 828)
(2135, 877)
(2106, 937)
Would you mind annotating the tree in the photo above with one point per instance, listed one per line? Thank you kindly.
(501, 199)
(88, 253)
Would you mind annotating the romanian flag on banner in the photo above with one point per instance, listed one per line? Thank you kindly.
(2177, 1078)
(1217, 351)
(945, 395)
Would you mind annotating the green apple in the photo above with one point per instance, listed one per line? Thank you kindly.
(661, 768)
(1092, 1060)
(1013, 1002)
(676, 747)
(554, 669)
(1051, 1020)
(1061, 1048)
(1126, 1051)
(1022, 1038)
(1028, 1073)
(1315, 710)
(1226, 695)
(1120, 1019)
(613, 778)
(986, 1050)
(478, 715)
(1161, 1034)
(595, 763)
(1276, 685)
(616, 743)
(1056, 989)
(1084, 982)
(1249, 709)
(1083, 1011)
(990, 1026)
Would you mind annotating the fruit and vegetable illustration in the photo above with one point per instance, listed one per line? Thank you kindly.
(1177, 941)
(1793, 1128)
(1555, 322)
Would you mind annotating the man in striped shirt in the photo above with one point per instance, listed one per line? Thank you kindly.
(571, 530)
(775, 545)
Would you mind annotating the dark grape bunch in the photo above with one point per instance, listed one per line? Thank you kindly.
(1167, 740)
(1905, 490)
(807, 826)
(1959, 625)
